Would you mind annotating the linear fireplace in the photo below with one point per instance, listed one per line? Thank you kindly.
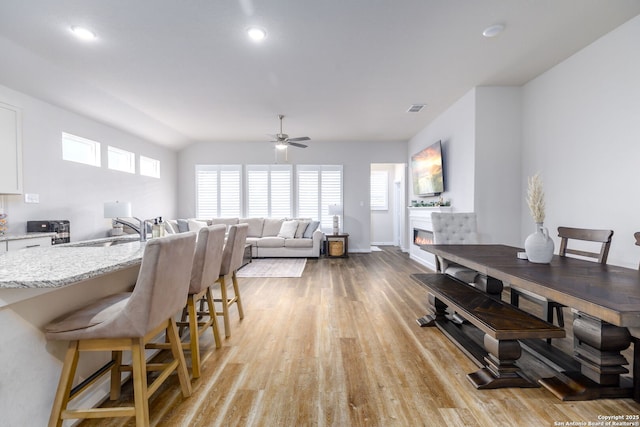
(422, 237)
(421, 231)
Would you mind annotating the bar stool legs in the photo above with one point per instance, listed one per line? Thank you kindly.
(228, 302)
(139, 368)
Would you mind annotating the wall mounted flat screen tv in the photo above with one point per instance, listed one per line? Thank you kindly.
(427, 171)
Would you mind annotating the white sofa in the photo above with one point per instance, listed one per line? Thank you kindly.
(269, 237)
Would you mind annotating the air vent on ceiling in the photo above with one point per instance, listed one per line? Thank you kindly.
(415, 108)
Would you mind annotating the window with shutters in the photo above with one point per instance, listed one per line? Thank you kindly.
(379, 190)
(318, 186)
(269, 191)
(218, 191)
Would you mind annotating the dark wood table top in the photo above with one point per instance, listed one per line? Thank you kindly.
(608, 292)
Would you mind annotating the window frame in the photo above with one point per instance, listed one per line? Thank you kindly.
(154, 165)
(93, 157)
(127, 157)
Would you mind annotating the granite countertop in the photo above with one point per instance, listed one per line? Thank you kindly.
(5, 237)
(62, 265)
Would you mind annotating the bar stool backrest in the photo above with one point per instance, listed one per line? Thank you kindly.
(208, 258)
(161, 288)
(234, 248)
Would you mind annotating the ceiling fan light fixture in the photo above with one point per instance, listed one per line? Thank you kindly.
(493, 30)
(83, 33)
(281, 145)
(257, 34)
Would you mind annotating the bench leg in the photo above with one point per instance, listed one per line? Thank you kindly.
(439, 310)
(501, 370)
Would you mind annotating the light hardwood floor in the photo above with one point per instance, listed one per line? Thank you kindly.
(340, 346)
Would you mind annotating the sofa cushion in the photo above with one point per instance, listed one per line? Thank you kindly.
(225, 221)
(272, 226)
(255, 226)
(313, 226)
(288, 229)
(195, 225)
(302, 226)
(271, 242)
(253, 241)
(298, 243)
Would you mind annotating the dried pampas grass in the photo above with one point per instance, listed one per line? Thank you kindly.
(535, 198)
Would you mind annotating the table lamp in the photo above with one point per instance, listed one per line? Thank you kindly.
(335, 210)
(118, 210)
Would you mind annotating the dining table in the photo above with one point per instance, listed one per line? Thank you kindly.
(604, 299)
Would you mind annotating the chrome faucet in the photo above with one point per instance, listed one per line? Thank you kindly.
(140, 229)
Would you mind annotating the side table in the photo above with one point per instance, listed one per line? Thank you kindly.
(337, 245)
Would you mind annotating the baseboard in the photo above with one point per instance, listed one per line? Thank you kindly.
(382, 244)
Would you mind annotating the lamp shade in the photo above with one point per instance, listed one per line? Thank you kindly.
(117, 209)
(335, 209)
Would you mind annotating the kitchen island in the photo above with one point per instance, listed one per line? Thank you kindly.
(38, 285)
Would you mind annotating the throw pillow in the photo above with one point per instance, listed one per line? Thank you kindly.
(183, 225)
(302, 226)
(288, 229)
(313, 226)
(196, 225)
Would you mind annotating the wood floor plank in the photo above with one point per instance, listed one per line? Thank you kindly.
(340, 346)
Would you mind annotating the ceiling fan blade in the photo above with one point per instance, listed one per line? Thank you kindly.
(295, 144)
(302, 138)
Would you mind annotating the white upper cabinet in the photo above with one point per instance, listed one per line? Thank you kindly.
(10, 149)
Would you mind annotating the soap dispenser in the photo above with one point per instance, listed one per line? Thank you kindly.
(155, 229)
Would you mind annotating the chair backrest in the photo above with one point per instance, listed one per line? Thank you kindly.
(637, 236)
(454, 228)
(163, 283)
(207, 258)
(234, 248)
(588, 235)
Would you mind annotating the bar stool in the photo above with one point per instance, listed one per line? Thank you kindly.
(206, 270)
(128, 321)
(231, 261)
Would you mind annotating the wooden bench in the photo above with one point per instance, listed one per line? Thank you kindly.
(501, 324)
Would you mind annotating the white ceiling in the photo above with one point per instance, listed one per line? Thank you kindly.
(176, 72)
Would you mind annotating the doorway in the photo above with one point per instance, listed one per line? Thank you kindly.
(388, 199)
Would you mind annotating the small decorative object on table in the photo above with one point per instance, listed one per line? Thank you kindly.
(538, 246)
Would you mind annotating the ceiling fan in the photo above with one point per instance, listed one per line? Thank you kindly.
(282, 140)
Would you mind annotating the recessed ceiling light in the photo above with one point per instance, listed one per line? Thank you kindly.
(83, 33)
(493, 30)
(257, 33)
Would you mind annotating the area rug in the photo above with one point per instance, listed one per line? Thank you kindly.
(273, 267)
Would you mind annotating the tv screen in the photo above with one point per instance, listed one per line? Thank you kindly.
(426, 167)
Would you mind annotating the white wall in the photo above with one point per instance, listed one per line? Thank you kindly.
(456, 129)
(497, 196)
(383, 221)
(74, 191)
(480, 137)
(356, 158)
(581, 131)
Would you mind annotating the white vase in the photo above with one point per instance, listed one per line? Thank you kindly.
(539, 246)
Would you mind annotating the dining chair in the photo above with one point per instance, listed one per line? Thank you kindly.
(568, 235)
(206, 270)
(129, 321)
(457, 228)
(231, 262)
